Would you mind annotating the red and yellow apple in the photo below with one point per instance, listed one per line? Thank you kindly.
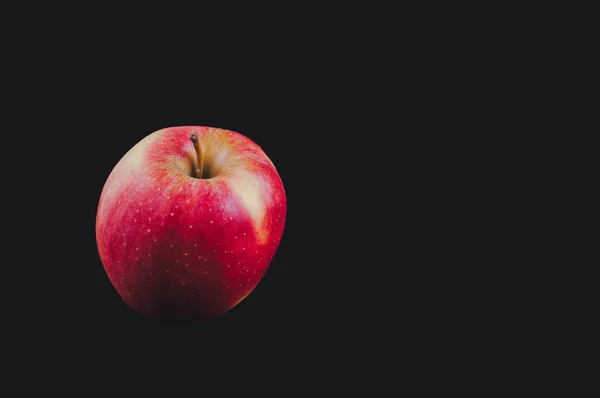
(188, 222)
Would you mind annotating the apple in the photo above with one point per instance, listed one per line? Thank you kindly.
(188, 222)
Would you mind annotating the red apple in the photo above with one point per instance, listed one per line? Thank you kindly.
(188, 222)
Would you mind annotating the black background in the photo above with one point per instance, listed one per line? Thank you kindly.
(352, 138)
(366, 125)
(356, 275)
(421, 244)
(328, 283)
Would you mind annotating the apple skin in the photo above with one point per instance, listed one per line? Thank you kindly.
(176, 247)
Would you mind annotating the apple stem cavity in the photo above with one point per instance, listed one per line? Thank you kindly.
(200, 164)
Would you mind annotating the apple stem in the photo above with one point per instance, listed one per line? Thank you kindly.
(200, 164)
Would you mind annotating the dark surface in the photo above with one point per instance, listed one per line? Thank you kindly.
(371, 261)
(410, 246)
(353, 257)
